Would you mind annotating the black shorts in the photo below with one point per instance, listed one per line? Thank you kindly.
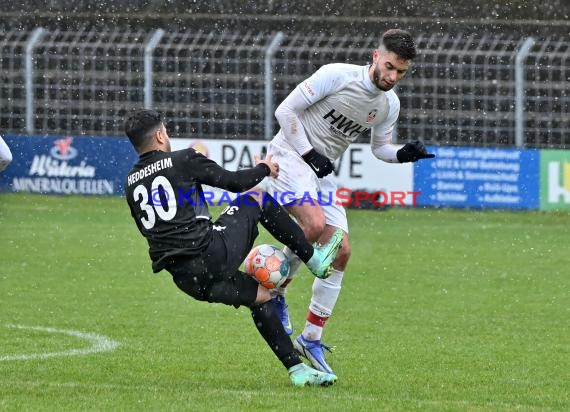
(215, 276)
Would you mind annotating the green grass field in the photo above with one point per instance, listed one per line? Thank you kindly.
(441, 310)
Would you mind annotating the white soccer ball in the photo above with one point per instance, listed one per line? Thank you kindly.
(268, 265)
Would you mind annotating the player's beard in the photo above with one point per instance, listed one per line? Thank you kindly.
(377, 79)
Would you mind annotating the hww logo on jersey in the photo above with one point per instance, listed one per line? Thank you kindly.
(342, 123)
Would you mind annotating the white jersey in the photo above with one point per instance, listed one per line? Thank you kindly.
(343, 104)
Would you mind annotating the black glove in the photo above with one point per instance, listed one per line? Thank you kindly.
(412, 152)
(320, 164)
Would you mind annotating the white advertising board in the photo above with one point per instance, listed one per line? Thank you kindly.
(357, 169)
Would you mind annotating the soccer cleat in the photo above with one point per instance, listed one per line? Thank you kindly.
(282, 309)
(323, 256)
(313, 351)
(303, 375)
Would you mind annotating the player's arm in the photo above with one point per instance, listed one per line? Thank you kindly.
(5, 155)
(384, 150)
(208, 172)
(381, 139)
(319, 85)
(287, 115)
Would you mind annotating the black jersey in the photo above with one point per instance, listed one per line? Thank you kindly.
(164, 193)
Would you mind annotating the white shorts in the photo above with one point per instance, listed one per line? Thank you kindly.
(298, 183)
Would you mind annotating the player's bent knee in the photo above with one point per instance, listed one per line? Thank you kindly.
(311, 219)
(313, 229)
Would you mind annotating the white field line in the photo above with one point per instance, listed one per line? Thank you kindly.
(99, 343)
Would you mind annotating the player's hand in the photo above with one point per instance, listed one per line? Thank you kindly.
(412, 152)
(320, 164)
(273, 166)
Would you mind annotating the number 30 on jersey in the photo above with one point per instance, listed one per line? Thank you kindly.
(161, 195)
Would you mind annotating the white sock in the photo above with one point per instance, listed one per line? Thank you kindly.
(323, 301)
(312, 331)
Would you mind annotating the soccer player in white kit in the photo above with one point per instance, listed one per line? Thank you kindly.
(5, 155)
(319, 119)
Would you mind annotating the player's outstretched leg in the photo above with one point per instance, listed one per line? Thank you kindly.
(323, 256)
(303, 375)
(312, 350)
(277, 221)
(323, 267)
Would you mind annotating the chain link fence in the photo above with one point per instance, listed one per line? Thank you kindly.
(463, 89)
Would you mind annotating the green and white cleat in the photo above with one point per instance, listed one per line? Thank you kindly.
(323, 256)
(303, 375)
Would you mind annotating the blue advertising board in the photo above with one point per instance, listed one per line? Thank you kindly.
(479, 178)
(67, 165)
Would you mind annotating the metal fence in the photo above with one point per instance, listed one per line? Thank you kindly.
(471, 89)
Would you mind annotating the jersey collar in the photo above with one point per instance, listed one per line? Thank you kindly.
(149, 154)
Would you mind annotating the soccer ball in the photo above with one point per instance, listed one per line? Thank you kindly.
(268, 265)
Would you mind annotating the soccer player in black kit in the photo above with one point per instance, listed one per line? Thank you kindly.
(167, 202)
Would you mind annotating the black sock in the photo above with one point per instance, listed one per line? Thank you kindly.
(269, 326)
(277, 221)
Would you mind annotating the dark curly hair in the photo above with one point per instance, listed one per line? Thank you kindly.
(399, 42)
(140, 127)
